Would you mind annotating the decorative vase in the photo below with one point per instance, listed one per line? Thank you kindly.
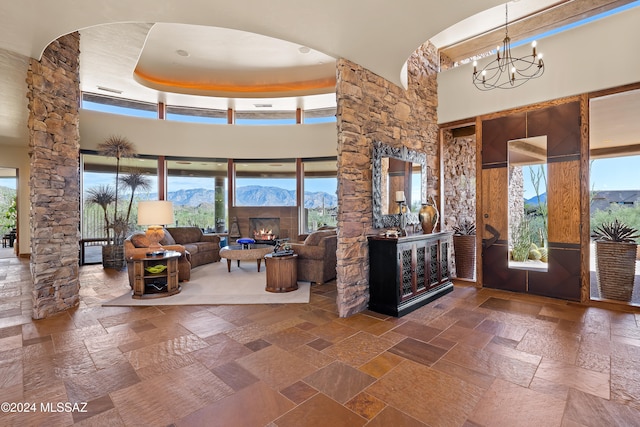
(429, 216)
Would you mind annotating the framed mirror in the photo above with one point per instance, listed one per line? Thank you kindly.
(395, 170)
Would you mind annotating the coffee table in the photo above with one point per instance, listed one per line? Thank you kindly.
(242, 253)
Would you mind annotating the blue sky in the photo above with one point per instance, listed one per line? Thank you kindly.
(619, 173)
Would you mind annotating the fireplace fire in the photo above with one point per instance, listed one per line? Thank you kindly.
(263, 234)
(264, 230)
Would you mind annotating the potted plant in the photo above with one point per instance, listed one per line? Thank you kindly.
(464, 248)
(616, 247)
(105, 196)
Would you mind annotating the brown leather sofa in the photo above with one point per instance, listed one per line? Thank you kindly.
(196, 248)
(204, 248)
(317, 256)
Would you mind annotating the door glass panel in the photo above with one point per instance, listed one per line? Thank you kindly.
(528, 210)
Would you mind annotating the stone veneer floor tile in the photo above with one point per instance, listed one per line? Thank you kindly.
(255, 405)
(411, 384)
(339, 381)
(534, 409)
(320, 411)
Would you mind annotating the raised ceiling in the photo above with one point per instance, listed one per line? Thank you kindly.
(247, 54)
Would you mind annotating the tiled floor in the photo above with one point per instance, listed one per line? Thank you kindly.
(472, 358)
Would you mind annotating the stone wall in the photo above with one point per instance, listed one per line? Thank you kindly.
(54, 144)
(370, 108)
(459, 174)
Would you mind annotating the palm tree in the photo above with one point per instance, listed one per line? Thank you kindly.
(133, 181)
(118, 147)
(103, 196)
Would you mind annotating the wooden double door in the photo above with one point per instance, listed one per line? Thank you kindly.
(567, 200)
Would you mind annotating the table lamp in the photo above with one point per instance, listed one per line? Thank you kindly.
(155, 214)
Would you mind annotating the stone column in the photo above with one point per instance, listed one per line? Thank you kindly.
(370, 109)
(54, 150)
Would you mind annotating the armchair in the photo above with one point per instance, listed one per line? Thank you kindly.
(317, 256)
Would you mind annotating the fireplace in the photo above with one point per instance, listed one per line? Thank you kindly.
(264, 230)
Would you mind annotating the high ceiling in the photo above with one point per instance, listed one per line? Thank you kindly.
(252, 55)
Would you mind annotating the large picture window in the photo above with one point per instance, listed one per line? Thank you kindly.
(265, 182)
(320, 206)
(197, 189)
(98, 182)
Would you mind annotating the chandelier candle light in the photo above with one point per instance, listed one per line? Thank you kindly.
(155, 214)
(506, 71)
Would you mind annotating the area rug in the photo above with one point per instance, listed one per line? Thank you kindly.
(211, 284)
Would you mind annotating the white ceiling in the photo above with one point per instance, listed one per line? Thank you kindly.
(248, 45)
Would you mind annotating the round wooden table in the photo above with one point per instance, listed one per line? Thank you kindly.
(282, 273)
(240, 253)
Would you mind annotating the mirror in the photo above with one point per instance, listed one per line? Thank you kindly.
(528, 210)
(395, 170)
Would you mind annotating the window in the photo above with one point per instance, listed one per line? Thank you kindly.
(320, 206)
(98, 177)
(196, 115)
(198, 189)
(125, 107)
(265, 182)
(265, 118)
(321, 115)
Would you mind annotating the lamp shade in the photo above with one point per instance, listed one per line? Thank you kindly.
(155, 212)
(400, 196)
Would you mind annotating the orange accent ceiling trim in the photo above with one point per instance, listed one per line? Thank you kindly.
(309, 85)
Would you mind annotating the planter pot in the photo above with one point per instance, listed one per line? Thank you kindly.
(113, 257)
(615, 269)
(464, 248)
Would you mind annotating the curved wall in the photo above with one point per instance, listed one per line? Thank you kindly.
(595, 56)
(172, 138)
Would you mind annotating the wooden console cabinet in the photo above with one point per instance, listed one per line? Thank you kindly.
(406, 273)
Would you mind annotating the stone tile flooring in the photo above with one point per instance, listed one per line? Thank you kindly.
(475, 357)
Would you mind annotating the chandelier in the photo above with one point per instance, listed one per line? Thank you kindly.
(506, 71)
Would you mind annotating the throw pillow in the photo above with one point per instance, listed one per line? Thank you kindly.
(140, 240)
(167, 239)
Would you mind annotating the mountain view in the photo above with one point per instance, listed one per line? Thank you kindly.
(534, 200)
(253, 195)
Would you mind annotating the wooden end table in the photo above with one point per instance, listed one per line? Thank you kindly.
(282, 273)
(155, 285)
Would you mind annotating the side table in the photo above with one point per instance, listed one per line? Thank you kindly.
(155, 285)
(282, 273)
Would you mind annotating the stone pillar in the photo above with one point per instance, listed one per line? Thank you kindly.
(370, 108)
(54, 150)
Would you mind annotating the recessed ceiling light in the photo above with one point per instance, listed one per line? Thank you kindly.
(304, 49)
(182, 52)
(108, 89)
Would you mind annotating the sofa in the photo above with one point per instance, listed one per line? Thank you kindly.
(317, 256)
(204, 248)
(196, 248)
